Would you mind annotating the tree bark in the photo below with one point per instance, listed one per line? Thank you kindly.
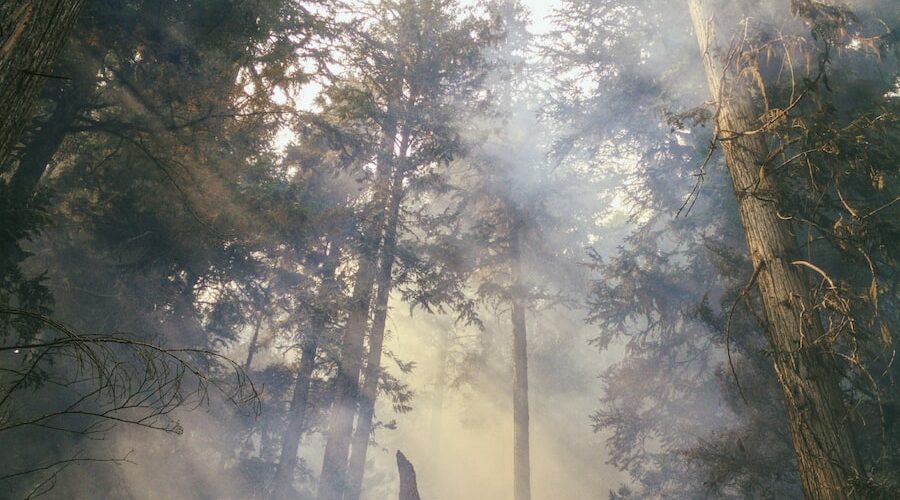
(254, 341)
(70, 99)
(357, 465)
(40, 151)
(290, 443)
(409, 490)
(23, 184)
(827, 457)
(32, 33)
(333, 479)
(521, 446)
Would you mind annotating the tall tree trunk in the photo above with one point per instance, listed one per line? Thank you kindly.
(290, 443)
(185, 310)
(357, 465)
(826, 455)
(32, 33)
(40, 151)
(70, 99)
(260, 306)
(521, 451)
(333, 479)
(254, 341)
(23, 184)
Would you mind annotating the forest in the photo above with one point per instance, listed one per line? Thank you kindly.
(449, 249)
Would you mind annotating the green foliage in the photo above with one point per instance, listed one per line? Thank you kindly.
(676, 296)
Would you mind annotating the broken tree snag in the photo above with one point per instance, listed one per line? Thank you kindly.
(32, 32)
(408, 488)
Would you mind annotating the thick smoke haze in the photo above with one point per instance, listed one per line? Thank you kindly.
(547, 249)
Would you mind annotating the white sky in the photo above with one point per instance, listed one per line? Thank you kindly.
(540, 23)
(540, 10)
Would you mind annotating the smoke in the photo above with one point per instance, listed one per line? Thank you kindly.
(462, 449)
(458, 433)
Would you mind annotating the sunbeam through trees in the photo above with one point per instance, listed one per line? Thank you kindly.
(449, 249)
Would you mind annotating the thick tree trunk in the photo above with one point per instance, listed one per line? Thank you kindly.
(70, 99)
(39, 152)
(521, 447)
(826, 455)
(333, 479)
(32, 32)
(23, 184)
(409, 489)
(369, 393)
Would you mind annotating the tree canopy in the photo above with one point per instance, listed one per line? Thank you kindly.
(454, 249)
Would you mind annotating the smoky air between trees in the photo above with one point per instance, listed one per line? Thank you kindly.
(446, 249)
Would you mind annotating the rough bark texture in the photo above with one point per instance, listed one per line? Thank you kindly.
(32, 32)
(71, 99)
(333, 479)
(290, 442)
(521, 452)
(827, 458)
(409, 490)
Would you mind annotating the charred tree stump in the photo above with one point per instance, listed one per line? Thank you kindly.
(409, 490)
